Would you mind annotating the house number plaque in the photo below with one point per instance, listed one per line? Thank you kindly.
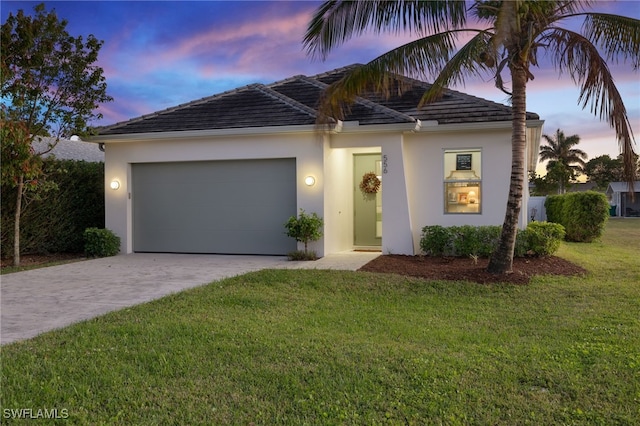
(384, 164)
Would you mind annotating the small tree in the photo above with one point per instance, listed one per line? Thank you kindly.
(21, 169)
(305, 228)
(49, 86)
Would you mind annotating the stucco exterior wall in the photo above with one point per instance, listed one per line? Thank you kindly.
(424, 154)
(307, 148)
(413, 177)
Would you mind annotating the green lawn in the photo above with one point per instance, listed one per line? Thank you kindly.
(326, 347)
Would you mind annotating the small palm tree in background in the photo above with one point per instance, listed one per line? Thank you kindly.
(562, 156)
(509, 37)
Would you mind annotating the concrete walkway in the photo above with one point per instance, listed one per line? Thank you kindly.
(40, 300)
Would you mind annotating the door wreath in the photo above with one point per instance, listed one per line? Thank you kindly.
(370, 183)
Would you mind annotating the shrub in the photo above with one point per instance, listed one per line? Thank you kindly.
(522, 246)
(304, 228)
(100, 243)
(302, 255)
(465, 240)
(56, 222)
(544, 238)
(584, 215)
(437, 240)
(553, 206)
(488, 237)
(539, 239)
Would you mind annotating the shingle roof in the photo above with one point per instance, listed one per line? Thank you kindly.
(293, 102)
(620, 187)
(66, 149)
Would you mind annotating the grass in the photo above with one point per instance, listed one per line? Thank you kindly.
(329, 347)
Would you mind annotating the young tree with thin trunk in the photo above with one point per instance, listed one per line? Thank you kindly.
(509, 38)
(50, 86)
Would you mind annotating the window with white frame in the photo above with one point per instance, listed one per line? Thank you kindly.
(463, 181)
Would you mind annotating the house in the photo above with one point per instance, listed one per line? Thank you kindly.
(619, 196)
(68, 149)
(223, 174)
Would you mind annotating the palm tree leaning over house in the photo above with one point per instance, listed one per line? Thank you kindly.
(560, 153)
(510, 36)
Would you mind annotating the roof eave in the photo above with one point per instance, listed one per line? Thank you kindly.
(238, 131)
(356, 127)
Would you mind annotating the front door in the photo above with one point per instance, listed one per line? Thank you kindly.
(367, 207)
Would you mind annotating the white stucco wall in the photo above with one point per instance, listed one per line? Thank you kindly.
(424, 153)
(307, 148)
(413, 184)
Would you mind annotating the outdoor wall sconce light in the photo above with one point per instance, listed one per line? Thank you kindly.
(309, 181)
(115, 184)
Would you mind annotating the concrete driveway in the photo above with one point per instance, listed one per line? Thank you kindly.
(40, 300)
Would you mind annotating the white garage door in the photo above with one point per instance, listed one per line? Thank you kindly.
(230, 207)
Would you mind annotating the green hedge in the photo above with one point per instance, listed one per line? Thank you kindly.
(100, 243)
(539, 239)
(56, 223)
(553, 207)
(583, 214)
(544, 238)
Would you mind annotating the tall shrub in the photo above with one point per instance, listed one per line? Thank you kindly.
(56, 222)
(553, 207)
(584, 215)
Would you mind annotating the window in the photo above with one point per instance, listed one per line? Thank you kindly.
(462, 181)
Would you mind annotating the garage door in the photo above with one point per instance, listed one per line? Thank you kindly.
(231, 207)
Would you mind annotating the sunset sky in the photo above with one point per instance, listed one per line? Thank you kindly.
(158, 54)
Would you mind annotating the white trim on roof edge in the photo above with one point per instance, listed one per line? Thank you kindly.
(340, 127)
(238, 131)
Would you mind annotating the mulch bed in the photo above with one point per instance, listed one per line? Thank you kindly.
(459, 269)
(39, 259)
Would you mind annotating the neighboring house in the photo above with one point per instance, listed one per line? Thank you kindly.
(68, 149)
(582, 186)
(223, 174)
(619, 197)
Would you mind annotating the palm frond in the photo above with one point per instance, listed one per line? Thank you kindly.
(464, 63)
(422, 58)
(618, 36)
(336, 21)
(576, 55)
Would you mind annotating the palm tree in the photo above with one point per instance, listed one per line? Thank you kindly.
(509, 38)
(559, 151)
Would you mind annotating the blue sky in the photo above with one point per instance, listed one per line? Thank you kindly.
(158, 54)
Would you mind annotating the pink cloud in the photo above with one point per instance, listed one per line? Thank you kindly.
(237, 40)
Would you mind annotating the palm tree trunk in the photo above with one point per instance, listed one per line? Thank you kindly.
(502, 260)
(16, 222)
